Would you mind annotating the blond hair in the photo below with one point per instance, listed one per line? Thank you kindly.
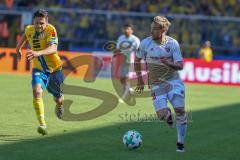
(162, 21)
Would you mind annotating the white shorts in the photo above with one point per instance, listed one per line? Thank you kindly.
(172, 91)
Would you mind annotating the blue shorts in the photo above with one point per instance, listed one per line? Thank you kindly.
(51, 81)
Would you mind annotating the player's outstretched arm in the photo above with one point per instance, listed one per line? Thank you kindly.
(49, 50)
(20, 45)
(137, 67)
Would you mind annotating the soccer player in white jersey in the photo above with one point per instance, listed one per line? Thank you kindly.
(127, 45)
(164, 59)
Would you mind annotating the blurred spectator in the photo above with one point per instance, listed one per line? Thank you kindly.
(205, 52)
(9, 4)
(4, 33)
(18, 37)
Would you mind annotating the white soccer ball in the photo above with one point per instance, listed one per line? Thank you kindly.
(132, 139)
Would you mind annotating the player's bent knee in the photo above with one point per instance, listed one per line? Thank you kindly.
(179, 110)
(181, 118)
(37, 92)
(59, 101)
(162, 113)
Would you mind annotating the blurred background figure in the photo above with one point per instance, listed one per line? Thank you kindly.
(4, 32)
(9, 4)
(205, 52)
(127, 45)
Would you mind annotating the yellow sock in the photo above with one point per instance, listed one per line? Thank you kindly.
(39, 108)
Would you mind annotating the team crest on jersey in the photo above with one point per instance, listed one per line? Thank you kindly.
(53, 33)
(167, 49)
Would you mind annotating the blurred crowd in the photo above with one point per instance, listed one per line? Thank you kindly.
(93, 30)
(202, 7)
(189, 32)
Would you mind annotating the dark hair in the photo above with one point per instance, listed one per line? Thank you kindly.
(128, 25)
(41, 13)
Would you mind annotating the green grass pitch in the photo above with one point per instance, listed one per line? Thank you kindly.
(213, 130)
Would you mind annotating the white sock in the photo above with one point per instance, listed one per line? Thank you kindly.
(181, 132)
(181, 127)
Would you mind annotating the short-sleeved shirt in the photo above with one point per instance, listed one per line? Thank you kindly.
(40, 41)
(152, 52)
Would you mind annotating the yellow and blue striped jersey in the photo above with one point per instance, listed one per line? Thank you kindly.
(40, 41)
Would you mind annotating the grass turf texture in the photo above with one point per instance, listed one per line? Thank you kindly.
(213, 130)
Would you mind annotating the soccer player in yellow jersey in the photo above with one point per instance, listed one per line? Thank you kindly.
(47, 69)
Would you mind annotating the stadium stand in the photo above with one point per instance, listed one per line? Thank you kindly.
(83, 29)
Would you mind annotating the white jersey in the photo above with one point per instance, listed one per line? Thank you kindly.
(152, 52)
(128, 45)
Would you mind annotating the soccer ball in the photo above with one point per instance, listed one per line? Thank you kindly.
(132, 139)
